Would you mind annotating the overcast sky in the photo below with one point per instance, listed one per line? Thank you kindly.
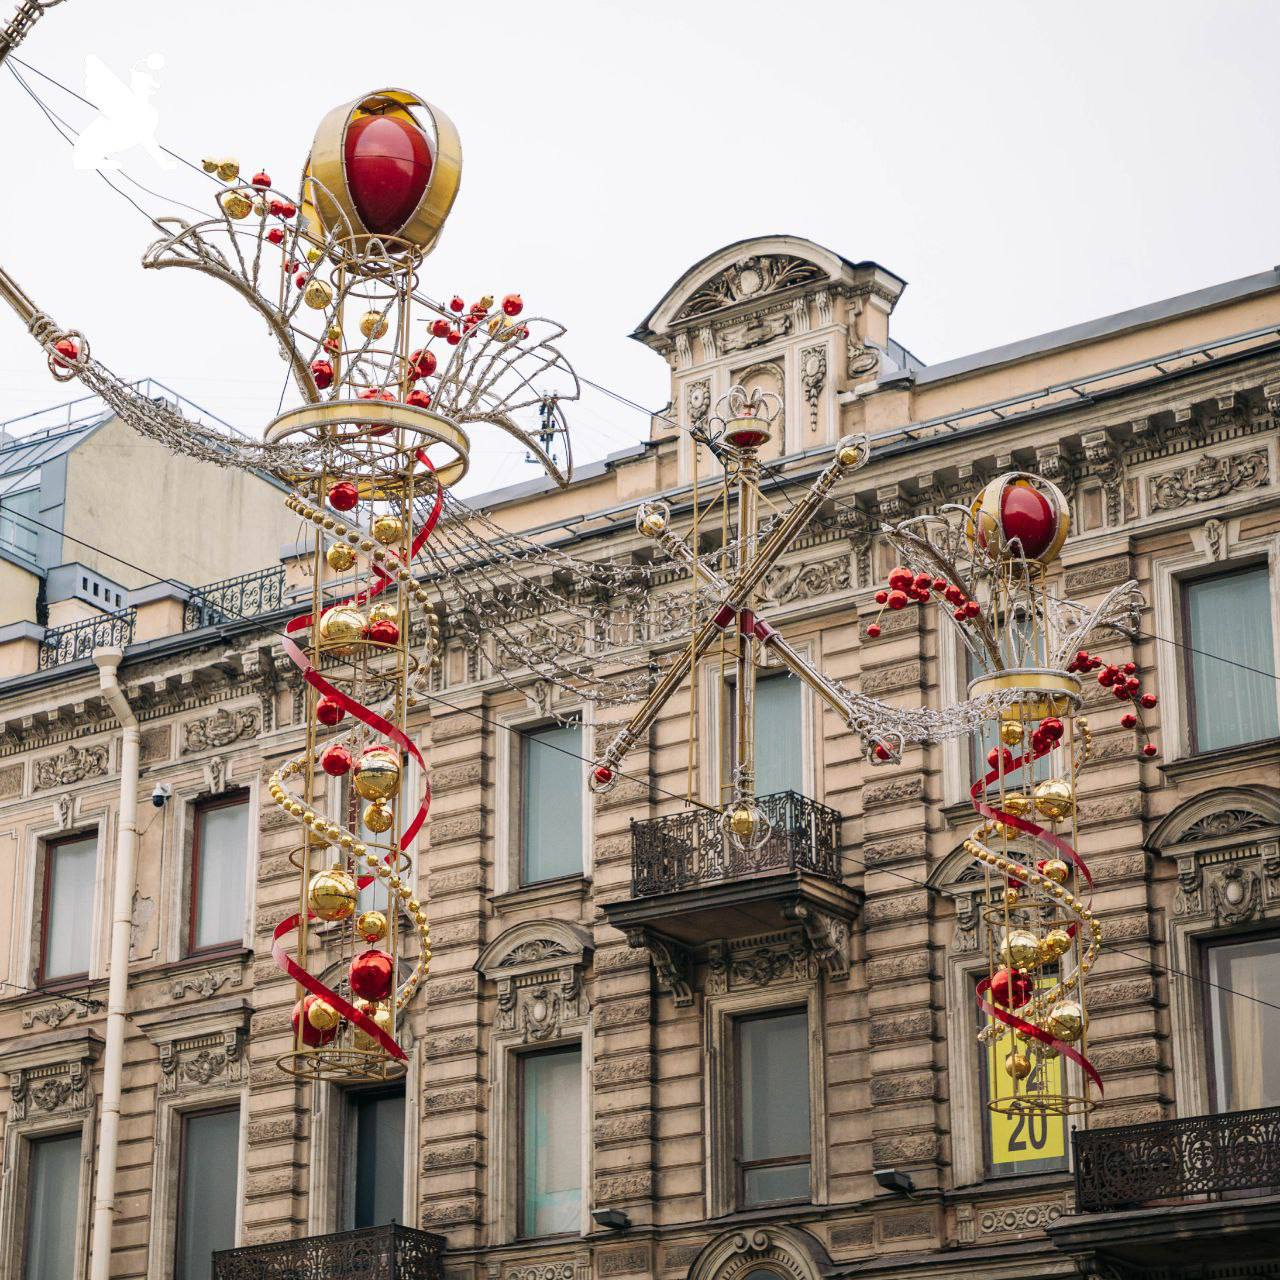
(1023, 166)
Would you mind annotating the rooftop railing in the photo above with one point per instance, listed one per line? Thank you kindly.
(78, 640)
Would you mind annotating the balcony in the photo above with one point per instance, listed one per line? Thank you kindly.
(693, 891)
(78, 640)
(373, 1253)
(1177, 1194)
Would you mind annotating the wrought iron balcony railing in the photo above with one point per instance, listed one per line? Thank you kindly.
(1174, 1159)
(392, 1252)
(690, 849)
(79, 639)
(245, 596)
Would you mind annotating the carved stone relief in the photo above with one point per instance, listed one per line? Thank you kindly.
(813, 377)
(749, 279)
(72, 764)
(698, 402)
(197, 1061)
(1208, 478)
(538, 970)
(220, 729)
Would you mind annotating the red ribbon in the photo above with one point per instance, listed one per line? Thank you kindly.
(1059, 845)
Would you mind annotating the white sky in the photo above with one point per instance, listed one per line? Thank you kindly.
(1023, 165)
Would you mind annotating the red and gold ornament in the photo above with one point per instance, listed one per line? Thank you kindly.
(371, 975)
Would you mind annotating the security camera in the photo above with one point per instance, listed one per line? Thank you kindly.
(895, 1180)
(160, 796)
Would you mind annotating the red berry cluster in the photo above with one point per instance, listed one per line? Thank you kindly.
(1122, 680)
(452, 331)
(1044, 737)
(905, 587)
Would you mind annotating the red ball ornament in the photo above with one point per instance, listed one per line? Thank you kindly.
(312, 1037)
(388, 163)
(322, 372)
(512, 304)
(440, 328)
(300, 279)
(384, 631)
(901, 578)
(1011, 988)
(1121, 693)
(423, 363)
(1128, 720)
(68, 349)
(289, 210)
(457, 304)
(261, 178)
(1130, 668)
(1149, 750)
(881, 751)
(453, 337)
(418, 398)
(923, 582)
(873, 632)
(343, 496)
(603, 774)
(329, 711)
(971, 609)
(954, 596)
(275, 235)
(276, 207)
(897, 599)
(1025, 514)
(881, 597)
(336, 760)
(370, 976)
(1051, 728)
(1149, 700)
(999, 757)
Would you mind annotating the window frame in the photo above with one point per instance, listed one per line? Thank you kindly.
(519, 1059)
(48, 846)
(1185, 582)
(344, 1207)
(180, 1119)
(199, 807)
(21, 1188)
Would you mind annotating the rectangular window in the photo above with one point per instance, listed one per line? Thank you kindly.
(550, 803)
(17, 510)
(550, 1100)
(1230, 660)
(67, 911)
(773, 1128)
(218, 854)
(1244, 1033)
(375, 1158)
(210, 1157)
(53, 1196)
(779, 733)
(1034, 1142)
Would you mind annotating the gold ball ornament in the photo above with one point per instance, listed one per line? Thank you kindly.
(381, 1014)
(1054, 945)
(849, 455)
(235, 204)
(1011, 899)
(340, 557)
(377, 774)
(742, 822)
(1020, 949)
(384, 613)
(314, 255)
(1056, 870)
(1054, 799)
(317, 295)
(1011, 732)
(387, 529)
(377, 817)
(372, 926)
(1066, 1021)
(373, 324)
(342, 630)
(228, 169)
(322, 1015)
(653, 523)
(331, 895)
(1018, 1065)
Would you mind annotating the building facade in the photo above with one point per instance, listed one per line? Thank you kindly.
(629, 1063)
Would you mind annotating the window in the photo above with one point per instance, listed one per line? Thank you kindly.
(1228, 617)
(17, 510)
(550, 1102)
(773, 1129)
(1244, 1033)
(206, 1191)
(53, 1185)
(218, 854)
(375, 1158)
(778, 736)
(66, 923)
(550, 803)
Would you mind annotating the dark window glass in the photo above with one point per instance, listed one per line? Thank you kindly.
(1245, 1039)
(53, 1184)
(376, 1175)
(218, 873)
(550, 803)
(551, 1142)
(206, 1191)
(67, 918)
(774, 1136)
(1233, 701)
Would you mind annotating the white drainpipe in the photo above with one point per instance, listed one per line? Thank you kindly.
(104, 1196)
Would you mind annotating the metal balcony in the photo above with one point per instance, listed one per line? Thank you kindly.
(392, 1252)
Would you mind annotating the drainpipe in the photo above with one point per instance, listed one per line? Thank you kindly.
(104, 1197)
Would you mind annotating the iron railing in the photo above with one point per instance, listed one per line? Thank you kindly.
(690, 849)
(1173, 1159)
(392, 1252)
(79, 639)
(245, 596)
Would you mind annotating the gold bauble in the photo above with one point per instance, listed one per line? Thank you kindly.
(742, 822)
(210, 166)
(314, 255)
(848, 456)
(1020, 949)
(342, 629)
(373, 324)
(322, 1015)
(1066, 1021)
(235, 204)
(1011, 899)
(1054, 945)
(259, 207)
(377, 774)
(372, 926)
(381, 1014)
(1018, 1065)
(228, 169)
(653, 523)
(340, 557)
(1054, 799)
(1011, 732)
(387, 529)
(1056, 870)
(377, 817)
(317, 295)
(1017, 803)
(331, 895)
(384, 613)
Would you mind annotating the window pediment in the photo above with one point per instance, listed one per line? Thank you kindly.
(537, 967)
(784, 1251)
